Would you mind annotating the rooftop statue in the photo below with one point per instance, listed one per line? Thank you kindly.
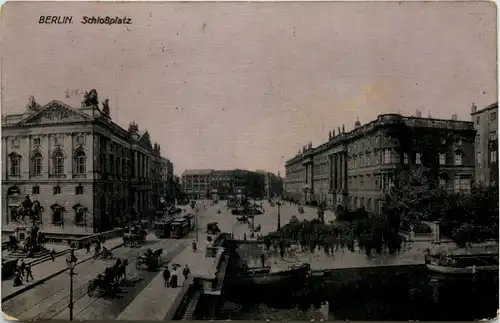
(105, 107)
(90, 98)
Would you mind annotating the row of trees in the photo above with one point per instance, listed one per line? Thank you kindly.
(466, 218)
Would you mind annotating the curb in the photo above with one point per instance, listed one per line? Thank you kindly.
(43, 280)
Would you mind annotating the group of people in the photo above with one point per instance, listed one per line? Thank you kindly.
(22, 272)
(170, 277)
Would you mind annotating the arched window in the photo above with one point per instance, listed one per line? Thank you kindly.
(15, 165)
(81, 161)
(37, 163)
(58, 163)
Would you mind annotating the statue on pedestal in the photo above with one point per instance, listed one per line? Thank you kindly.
(31, 210)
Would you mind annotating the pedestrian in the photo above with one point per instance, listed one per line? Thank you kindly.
(22, 268)
(174, 278)
(195, 247)
(166, 276)
(87, 247)
(53, 255)
(263, 259)
(186, 272)
(29, 273)
(18, 280)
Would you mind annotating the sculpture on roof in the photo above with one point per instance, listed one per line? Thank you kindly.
(333, 133)
(32, 105)
(343, 128)
(339, 130)
(105, 107)
(90, 98)
(133, 128)
(329, 135)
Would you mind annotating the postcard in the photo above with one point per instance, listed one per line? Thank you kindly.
(288, 161)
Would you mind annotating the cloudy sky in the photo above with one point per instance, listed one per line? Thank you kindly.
(226, 85)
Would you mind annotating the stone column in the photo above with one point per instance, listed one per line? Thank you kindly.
(344, 168)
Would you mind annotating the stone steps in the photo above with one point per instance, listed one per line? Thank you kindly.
(21, 254)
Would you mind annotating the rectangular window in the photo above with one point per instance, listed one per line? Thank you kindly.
(478, 120)
(79, 190)
(493, 156)
(36, 141)
(493, 135)
(442, 182)
(493, 116)
(478, 158)
(464, 184)
(57, 190)
(405, 159)
(442, 159)
(387, 156)
(35, 190)
(458, 158)
(456, 184)
(478, 139)
(417, 159)
(15, 166)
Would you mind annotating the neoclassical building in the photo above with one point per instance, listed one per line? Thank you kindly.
(88, 173)
(355, 168)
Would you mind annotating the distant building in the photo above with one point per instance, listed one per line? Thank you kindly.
(201, 183)
(196, 183)
(355, 168)
(88, 173)
(486, 124)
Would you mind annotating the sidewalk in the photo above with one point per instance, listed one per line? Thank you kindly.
(47, 269)
(155, 301)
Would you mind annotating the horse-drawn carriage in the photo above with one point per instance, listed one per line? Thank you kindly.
(134, 236)
(107, 283)
(151, 260)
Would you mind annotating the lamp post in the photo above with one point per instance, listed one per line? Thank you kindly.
(71, 262)
(279, 215)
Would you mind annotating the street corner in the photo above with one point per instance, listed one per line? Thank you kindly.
(7, 317)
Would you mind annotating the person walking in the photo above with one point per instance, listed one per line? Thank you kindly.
(29, 273)
(87, 247)
(166, 276)
(53, 255)
(22, 268)
(174, 278)
(186, 272)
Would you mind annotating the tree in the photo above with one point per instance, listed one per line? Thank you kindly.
(471, 218)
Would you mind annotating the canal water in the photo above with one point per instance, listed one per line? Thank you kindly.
(402, 294)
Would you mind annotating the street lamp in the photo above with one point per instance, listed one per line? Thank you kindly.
(279, 215)
(71, 262)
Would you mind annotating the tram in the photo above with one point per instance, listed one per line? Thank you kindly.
(179, 227)
(162, 228)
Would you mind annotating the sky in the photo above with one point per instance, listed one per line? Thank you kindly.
(246, 85)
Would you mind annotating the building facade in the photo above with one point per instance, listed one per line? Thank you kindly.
(486, 147)
(229, 183)
(355, 168)
(196, 183)
(88, 173)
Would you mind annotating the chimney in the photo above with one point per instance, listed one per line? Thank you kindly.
(454, 117)
(418, 114)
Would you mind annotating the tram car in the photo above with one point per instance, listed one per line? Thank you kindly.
(179, 228)
(162, 228)
(191, 221)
